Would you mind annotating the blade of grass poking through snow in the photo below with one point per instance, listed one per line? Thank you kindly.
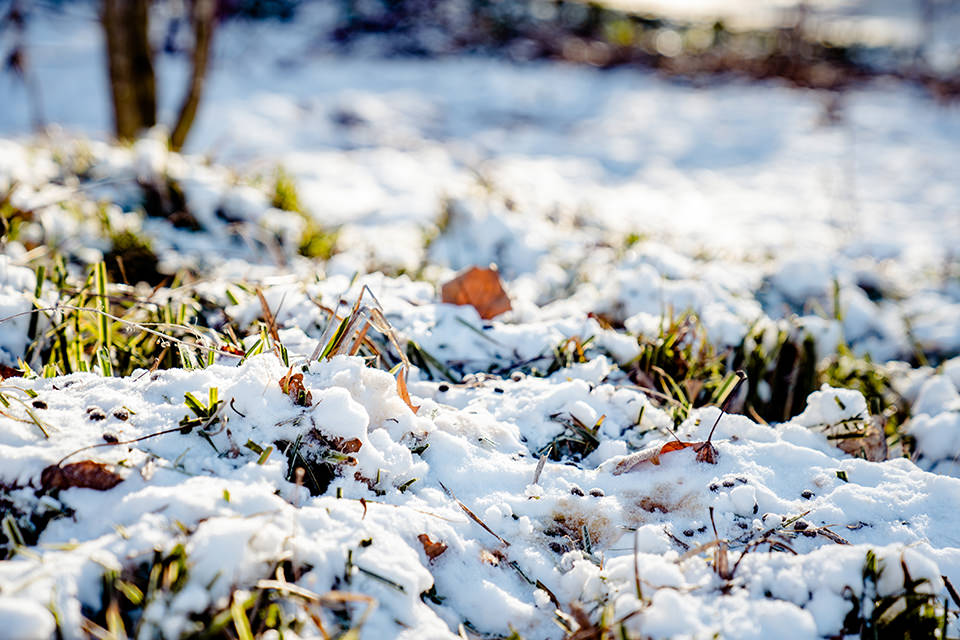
(723, 391)
(239, 614)
(100, 279)
(37, 290)
(252, 351)
(194, 405)
(103, 357)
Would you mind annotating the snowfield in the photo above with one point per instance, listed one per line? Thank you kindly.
(533, 485)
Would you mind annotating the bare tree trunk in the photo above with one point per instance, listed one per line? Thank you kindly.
(130, 64)
(203, 14)
(18, 62)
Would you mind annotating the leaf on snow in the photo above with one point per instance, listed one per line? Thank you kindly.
(86, 474)
(706, 452)
(479, 288)
(430, 547)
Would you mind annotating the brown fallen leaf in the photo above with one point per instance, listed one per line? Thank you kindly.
(9, 372)
(430, 547)
(479, 288)
(292, 385)
(85, 474)
(350, 446)
(706, 452)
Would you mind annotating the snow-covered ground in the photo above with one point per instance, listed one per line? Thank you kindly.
(611, 202)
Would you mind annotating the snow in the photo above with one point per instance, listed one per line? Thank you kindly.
(745, 209)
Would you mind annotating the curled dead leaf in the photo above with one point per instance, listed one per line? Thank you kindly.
(479, 288)
(350, 446)
(292, 385)
(430, 547)
(402, 389)
(706, 452)
(86, 474)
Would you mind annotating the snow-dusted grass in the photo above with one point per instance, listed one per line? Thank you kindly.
(226, 475)
(653, 240)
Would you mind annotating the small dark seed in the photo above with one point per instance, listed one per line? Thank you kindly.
(728, 483)
(756, 507)
(742, 525)
(688, 533)
(497, 390)
(741, 480)
(806, 494)
(39, 404)
(121, 414)
(810, 533)
(443, 388)
(109, 437)
(366, 542)
(702, 529)
(516, 376)
(597, 493)
(96, 414)
(800, 525)
(577, 491)
(556, 547)
(714, 486)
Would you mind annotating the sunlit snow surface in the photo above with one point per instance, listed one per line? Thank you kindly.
(751, 206)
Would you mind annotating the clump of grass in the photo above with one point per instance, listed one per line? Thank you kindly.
(783, 372)
(872, 380)
(285, 195)
(95, 322)
(315, 240)
(576, 441)
(908, 613)
(266, 608)
(166, 199)
(131, 259)
(681, 365)
(25, 516)
(12, 218)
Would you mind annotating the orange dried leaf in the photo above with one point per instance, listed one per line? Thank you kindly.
(86, 474)
(430, 547)
(402, 389)
(479, 288)
(350, 446)
(706, 452)
(292, 385)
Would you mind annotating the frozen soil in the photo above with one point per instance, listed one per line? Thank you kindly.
(613, 204)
